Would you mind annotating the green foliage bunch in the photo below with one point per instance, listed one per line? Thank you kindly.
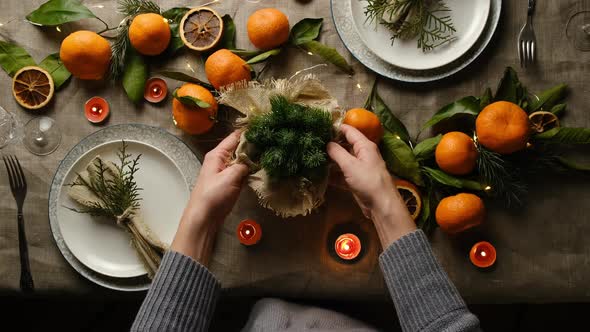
(291, 139)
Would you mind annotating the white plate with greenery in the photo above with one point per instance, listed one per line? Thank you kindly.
(467, 17)
(98, 248)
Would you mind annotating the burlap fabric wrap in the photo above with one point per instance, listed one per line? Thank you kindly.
(290, 197)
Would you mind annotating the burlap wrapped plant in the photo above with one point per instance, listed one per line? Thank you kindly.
(287, 125)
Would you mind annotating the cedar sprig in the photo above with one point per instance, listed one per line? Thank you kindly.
(117, 193)
(135, 7)
(291, 139)
(502, 176)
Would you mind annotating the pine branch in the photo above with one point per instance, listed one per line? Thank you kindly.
(504, 180)
(134, 7)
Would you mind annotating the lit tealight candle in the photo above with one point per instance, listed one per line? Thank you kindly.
(483, 254)
(249, 232)
(156, 90)
(347, 246)
(96, 109)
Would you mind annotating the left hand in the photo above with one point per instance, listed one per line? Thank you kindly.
(215, 194)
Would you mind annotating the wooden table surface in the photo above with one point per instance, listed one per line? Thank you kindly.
(542, 250)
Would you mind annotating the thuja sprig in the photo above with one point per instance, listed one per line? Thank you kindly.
(117, 192)
(291, 139)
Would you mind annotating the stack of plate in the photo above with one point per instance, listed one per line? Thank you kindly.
(97, 248)
(370, 42)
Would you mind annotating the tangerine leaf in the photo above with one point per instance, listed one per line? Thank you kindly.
(400, 159)
(468, 105)
(179, 76)
(564, 135)
(190, 101)
(56, 12)
(549, 98)
(135, 76)
(451, 181)
(573, 165)
(263, 56)
(558, 109)
(425, 149)
(389, 121)
(510, 89)
(306, 30)
(175, 14)
(329, 54)
(56, 68)
(486, 99)
(228, 39)
(13, 58)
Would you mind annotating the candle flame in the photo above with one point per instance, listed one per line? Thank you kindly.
(483, 254)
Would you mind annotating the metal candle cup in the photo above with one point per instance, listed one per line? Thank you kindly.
(156, 90)
(483, 254)
(347, 246)
(249, 232)
(96, 109)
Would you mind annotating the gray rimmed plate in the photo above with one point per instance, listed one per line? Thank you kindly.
(345, 26)
(98, 249)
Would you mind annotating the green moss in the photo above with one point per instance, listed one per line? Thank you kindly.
(292, 139)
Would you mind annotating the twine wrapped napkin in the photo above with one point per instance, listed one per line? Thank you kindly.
(102, 173)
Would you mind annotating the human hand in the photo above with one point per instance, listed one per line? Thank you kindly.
(215, 194)
(367, 177)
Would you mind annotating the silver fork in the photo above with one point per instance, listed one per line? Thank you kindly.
(527, 43)
(18, 186)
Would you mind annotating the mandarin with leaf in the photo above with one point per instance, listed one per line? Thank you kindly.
(503, 127)
(224, 68)
(456, 153)
(86, 55)
(192, 119)
(149, 33)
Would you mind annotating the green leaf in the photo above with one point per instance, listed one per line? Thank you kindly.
(558, 109)
(245, 54)
(564, 135)
(329, 54)
(573, 165)
(486, 99)
(56, 12)
(549, 98)
(425, 149)
(399, 158)
(135, 76)
(451, 181)
(56, 68)
(13, 58)
(179, 76)
(263, 56)
(510, 89)
(389, 121)
(306, 30)
(190, 101)
(176, 42)
(468, 105)
(228, 40)
(175, 14)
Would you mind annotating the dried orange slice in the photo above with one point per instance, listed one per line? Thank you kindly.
(411, 196)
(201, 29)
(32, 87)
(542, 121)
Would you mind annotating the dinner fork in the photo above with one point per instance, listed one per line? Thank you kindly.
(527, 43)
(18, 186)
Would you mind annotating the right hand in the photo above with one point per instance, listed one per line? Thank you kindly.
(371, 184)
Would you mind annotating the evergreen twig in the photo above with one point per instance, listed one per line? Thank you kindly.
(502, 177)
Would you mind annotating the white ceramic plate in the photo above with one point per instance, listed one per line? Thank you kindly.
(469, 18)
(101, 245)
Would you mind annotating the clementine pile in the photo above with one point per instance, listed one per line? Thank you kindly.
(86, 55)
(192, 119)
(149, 33)
(224, 68)
(456, 153)
(268, 28)
(455, 214)
(503, 127)
(366, 122)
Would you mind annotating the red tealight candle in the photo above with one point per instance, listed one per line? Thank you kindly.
(483, 254)
(249, 232)
(347, 246)
(96, 109)
(155, 90)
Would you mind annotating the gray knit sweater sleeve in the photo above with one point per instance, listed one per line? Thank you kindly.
(182, 297)
(424, 297)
